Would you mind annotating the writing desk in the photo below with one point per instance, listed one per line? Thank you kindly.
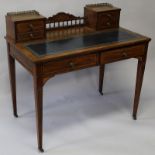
(70, 51)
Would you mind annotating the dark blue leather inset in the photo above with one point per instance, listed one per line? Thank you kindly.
(79, 42)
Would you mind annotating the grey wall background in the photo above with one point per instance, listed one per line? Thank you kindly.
(77, 120)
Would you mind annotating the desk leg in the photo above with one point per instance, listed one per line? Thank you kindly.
(139, 81)
(101, 77)
(38, 90)
(12, 74)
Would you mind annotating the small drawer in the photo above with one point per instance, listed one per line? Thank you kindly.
(108, 20)
(70, 64)
(30, 36)
(30, 26)
(120, 54)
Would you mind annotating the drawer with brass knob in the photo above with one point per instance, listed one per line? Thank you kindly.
(120, 54)
(30, 36)
(70, 64)
(29, 26)
(108, 20)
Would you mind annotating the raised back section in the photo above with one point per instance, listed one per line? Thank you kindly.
(64, 20)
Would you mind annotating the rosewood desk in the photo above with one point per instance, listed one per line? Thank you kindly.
(44, 59)
(69, 49)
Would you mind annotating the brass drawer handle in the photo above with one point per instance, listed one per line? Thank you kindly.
(125, 54)
(108, 24)
(31, 26)
(72, 65)
(31, 35)
(109, 15)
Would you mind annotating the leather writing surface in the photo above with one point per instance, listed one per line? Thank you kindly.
(79, 42)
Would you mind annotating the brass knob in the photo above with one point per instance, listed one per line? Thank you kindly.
(31, 35)
(72, 65)
(125, 54)
(109, 15)
(108, 23)
(31, 26)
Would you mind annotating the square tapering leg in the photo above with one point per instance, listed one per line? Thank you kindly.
(101, 78)
(139, 81)
(38, 90)
(12, 75)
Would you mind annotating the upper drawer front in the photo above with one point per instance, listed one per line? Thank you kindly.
(69, 64)
(120, 54)
(108, 20)
(30, 36)
(29, 26)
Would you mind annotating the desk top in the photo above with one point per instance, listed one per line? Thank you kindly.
(79, 42)
(101, 40)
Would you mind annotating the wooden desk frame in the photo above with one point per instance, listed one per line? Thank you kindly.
(41, 70)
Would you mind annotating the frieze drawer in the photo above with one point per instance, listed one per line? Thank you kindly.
(69, 64)
(120, 54)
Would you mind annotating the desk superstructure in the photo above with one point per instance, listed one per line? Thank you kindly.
(64, 43)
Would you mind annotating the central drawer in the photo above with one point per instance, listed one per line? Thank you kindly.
(70, 64)
(122, 53)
